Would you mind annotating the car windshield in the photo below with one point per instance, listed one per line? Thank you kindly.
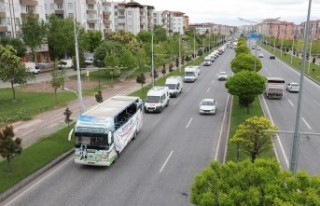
(189, 74)
(152, 99)
(171, 86)
(294, 84)
(207, 103)
(223, 73)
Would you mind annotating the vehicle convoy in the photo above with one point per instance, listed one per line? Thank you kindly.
(175, 85)
(274, 87)
(105, 130)
(191, 73)
(157, 99)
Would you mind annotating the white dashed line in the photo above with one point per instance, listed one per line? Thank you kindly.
(164, 164)
(306, 123)
(208, 90)
(290, 102)
(189, 123)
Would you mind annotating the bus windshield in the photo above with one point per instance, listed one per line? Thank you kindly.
(171, 86)
(276, 80)
(189, 73)
(92, 141)
(153, 99)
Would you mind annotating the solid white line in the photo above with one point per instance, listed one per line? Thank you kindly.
(290, 102)
(208, 90)
(164, 164)
(221, 129)
(39, 181)
(278, 138)
(306, 123)
(156, 122)
(189, 123)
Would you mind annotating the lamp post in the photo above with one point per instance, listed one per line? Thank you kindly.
(296, 136)
(292, 48)
(152, 55)
(310, 52)
(179, 53)
(194, 45)
(78, 65)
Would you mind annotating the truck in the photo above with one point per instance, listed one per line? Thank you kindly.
(191, 73)
(65, 64)
(157, 99)
(31, 67)
(104, 131)
(175, 85)
(275, 87)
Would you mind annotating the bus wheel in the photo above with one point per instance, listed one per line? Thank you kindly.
(134, 135)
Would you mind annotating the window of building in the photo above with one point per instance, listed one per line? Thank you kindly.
(70, 6)
(91, 25)
(29, 8)
(52, 6)
(60, 6)
(2, 7)
(2, 21)
(71, 15)
(90, 6)
(129, 13)
(8, 21)
(17, 21)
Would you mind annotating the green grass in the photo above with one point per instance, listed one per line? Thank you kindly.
(28, 104)
(34, 157)
(239, 115)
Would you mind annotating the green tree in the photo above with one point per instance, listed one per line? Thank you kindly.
(91, 40)
(11, 68)
(141, 79)
(33, 32)
(9, 145)
(105, 49)
(144, 36)
(254, 184)
(242, 49)
(16, 43)
(245, 61)
(252, 138)
(246, 85)
(57, 80)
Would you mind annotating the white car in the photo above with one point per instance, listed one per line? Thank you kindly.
(293, 87)
(222, 76)
(260, 55)
(208, 106)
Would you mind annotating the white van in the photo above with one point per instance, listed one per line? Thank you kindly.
(65, 63)
(175, 85)
(31, 67)
(191, 73)
(157, 99)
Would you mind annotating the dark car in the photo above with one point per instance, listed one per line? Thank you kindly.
(272, 57)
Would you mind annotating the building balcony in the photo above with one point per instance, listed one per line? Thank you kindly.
(3, 28)
(24, 15)
(91, 11)
(107, 30)
(105, 3)
(106, 21)
(3, 15)
(91, 1)
(93, 21)
(29, 3)
(107, 13)
(59, 11)
(58, 1)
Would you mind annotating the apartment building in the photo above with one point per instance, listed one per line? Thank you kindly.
(13, 11)
(314, 29)
(171, 21)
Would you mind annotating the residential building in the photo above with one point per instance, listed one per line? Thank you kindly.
(171, 21)
(314, 31)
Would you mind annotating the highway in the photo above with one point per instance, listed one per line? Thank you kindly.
(158, 167)
(283, 114)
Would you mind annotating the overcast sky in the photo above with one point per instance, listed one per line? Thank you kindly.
(227, 11)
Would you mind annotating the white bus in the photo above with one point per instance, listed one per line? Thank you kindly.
(104, 131)
(275, 87)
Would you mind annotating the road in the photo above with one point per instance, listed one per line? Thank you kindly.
(158, 167)
(283, 114)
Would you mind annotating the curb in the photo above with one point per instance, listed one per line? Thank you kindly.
(32, 177)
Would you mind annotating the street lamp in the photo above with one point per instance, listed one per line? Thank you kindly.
(78, 65)
(152, 55)
(194, 45)
(180, 53)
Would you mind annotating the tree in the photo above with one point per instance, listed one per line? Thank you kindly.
(33, 32)
(57, 80)
(12, 69)
(242, 49)
(9, 146)
(91, 40)
(246, 85)
(17, 44)
(144, 36)
(245, 61)
(163, 71)
(141, 79)
(255, 184)
(252, 138)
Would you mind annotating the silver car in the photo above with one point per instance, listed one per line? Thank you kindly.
(208, 106)
(293, 87)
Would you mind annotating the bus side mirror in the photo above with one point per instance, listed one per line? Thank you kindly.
(109, 137)
(70, 135)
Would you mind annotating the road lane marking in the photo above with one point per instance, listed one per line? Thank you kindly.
(16, 196)
(278, 138)
(165, 163)
(290, 102)
(316, 102)
(156, 122)
(306, 123)
(208, 90)
(212, 82)
(189, 123)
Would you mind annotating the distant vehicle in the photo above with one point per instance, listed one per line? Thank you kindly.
(207, 61)
(260, 55)
(65, 64)
(274, 87)
(88, 58)
(222, 76)
(31, 67)
(105, 130)
(191, 73)
(157, 99)
(175, 85)
(272, 57)
(208, 106)
(293, 87)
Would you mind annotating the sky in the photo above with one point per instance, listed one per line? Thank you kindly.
(226, 12)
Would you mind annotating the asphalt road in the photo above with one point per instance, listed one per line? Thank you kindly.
(283, 114)
(158, 167)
